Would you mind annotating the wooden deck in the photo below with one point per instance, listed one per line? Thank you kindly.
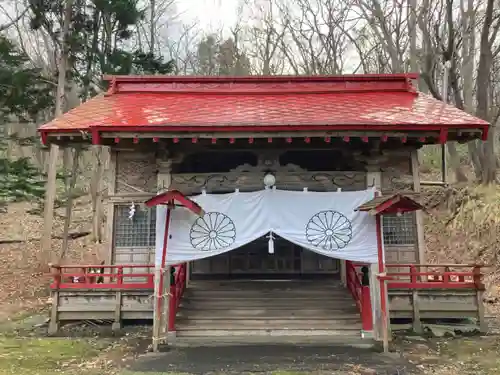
(128, 296)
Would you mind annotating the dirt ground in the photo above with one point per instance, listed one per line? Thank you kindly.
(88, 349)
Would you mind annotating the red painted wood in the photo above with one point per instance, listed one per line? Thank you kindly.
(260, 79)
(443, 136)
(79, 277)
(175, 195)
(366, 313)
(176, 293)
(231, 104)
(360, 294)
(442, 278)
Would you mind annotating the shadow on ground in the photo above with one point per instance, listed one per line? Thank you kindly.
(252, 359)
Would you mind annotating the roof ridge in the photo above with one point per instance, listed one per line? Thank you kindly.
(260, 79)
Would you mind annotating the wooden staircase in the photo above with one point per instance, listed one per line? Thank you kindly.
(268, 311)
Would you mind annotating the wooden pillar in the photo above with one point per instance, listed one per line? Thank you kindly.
(110, 207)
(48, 216)
(160, 316)
(156, 311)
(418, 214)
(374, 179)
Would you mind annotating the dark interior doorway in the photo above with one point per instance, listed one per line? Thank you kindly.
(253, 261)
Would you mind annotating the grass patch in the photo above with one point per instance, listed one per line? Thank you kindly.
(183, 373)
(44, 356)
(278, 372)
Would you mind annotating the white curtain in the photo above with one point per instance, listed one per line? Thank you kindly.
(325, 223)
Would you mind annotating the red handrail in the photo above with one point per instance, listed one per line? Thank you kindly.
(107, 277)
(360, 293)
(176, 292)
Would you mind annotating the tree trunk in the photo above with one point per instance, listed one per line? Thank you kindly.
(50, 192)
(69, 202)
(482, 95)
(95, 193)
(152, 27)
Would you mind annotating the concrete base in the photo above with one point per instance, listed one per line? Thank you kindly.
(171, 337)
(367, 335)
(53, 327)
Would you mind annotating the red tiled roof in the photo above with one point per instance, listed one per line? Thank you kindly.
(194, 103)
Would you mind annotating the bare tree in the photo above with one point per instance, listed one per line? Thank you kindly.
(488, 36)
(54, 149)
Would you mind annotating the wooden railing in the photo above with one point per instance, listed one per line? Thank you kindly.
(360, 291)
(177, 287)
(432, 276)
(102, 276)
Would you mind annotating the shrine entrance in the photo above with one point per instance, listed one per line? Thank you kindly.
(253, 261)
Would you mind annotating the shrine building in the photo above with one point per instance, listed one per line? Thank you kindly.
(265, 208)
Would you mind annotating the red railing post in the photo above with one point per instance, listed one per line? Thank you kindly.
(56, 274)
(365, 302)
(413, 274)
(366, 311)
(119, 277)
(476, 276)
(446, 275)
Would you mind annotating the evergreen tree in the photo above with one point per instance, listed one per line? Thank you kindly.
(23, 94)
(101, 39)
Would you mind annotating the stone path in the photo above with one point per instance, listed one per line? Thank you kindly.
(265, 359)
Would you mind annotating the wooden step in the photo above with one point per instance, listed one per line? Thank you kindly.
(267, 294)
(249, 332)
(268, 298)
(270, 322)
(269, 304)
(300, 339)
(267, 312)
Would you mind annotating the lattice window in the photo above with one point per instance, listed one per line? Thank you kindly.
(140, 231)
(399, 230)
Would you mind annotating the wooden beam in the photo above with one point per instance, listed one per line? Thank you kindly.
(289, 134)
(433, 183)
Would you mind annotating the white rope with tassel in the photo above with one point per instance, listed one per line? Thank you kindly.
(270, 243)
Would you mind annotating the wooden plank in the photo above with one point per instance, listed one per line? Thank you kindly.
(54, 323)
(417, 323)
(483, 326)
(258, 134)
(118, 312)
